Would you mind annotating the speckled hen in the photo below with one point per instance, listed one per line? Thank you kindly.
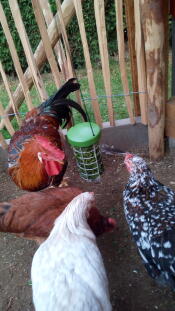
(67, 269)
(150, 212)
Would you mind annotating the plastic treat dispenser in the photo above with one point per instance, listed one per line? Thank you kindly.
(84, 138)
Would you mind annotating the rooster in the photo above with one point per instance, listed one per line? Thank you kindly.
(150, 212)
(35, 156)
(33, 214)
(67, 269)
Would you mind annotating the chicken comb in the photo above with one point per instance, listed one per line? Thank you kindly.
(48, 146)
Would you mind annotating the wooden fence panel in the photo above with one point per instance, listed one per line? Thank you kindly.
(40, 56)
(52, 29)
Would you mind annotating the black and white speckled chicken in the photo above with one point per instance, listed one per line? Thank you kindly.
(150, 212)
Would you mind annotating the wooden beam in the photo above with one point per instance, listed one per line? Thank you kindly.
(155, 24)
(54, 33)
(129, 10)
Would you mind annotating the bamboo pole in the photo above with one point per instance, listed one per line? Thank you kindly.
(59, 51)
(67, 48)
(65, 39)
(129, 10)
(7, 86)
(46, 42)
(39, 55)
(93, 94)
(121, 51)
(101, 31)
(6, 120)
(3, 142)
(15, 58)
(27, 49)
(141, 66)
(155, 24)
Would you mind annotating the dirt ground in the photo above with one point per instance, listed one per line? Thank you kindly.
(131, 288)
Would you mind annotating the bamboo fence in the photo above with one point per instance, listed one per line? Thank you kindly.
(54, 48)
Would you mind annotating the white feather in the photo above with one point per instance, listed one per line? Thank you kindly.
(67, 269)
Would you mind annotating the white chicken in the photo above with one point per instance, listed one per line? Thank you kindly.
(67, 269)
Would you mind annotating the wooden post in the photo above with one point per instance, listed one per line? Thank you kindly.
(129, 10)
(155, 24)
(54, 33)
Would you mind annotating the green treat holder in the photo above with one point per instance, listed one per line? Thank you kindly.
(84, 138)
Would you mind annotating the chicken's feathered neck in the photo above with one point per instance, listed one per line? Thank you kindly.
(143, 178)
(73, 221)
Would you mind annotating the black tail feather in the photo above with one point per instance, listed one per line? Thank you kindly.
(67, 88)
(58, 106)
(60, 109)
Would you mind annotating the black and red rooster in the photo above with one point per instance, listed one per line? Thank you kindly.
(36, 158)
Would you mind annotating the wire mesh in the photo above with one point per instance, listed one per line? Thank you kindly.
(89, 162)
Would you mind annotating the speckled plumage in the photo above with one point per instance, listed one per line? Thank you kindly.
(150, 212)
(67, 270)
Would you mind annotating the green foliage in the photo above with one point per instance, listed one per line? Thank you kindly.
(32, 31)
(72, 30)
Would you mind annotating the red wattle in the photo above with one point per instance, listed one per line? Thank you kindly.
(52, 167)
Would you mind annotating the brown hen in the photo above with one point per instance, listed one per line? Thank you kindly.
(32, 215)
